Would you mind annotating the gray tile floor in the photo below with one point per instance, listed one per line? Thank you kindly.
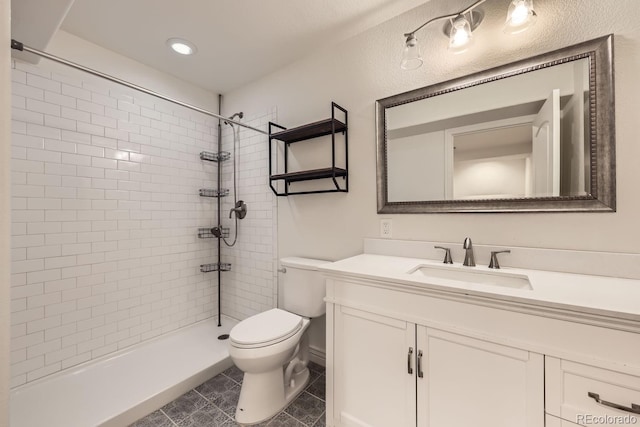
(213, 404)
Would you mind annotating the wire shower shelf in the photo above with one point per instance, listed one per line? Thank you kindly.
(214, 192)
(215, 157)
(208, 268)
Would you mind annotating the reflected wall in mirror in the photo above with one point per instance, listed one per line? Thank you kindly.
(537, 135)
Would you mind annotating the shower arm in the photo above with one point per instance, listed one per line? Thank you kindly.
(24, 48)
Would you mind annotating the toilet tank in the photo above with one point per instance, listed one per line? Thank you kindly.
(303, 286)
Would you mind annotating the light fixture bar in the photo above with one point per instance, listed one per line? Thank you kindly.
(450, 16)
(460, 36)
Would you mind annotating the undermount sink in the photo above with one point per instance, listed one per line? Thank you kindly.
(469, 275)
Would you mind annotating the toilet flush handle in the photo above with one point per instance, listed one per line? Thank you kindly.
(282, 270)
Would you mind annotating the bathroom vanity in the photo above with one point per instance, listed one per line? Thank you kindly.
(412, 342)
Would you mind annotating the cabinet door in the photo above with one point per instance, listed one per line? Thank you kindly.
(374, 370)
(467, 382)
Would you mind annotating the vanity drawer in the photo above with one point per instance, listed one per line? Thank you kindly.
(568, 386)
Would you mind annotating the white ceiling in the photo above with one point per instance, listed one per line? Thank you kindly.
(238, 41)
(34, 22)
(494, 139)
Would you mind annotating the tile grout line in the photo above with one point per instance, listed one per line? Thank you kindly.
(312, 394)
(300, 421)
(213, 404)
(168, 417)
(201, 395)
(240, 384)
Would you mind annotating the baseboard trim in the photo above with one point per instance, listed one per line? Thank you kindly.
(318, 355)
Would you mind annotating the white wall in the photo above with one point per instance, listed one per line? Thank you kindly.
(416, 167)
(493, 177)
(106, 211)
(365, 68)
(5, 200)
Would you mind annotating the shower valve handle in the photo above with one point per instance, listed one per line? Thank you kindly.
(240, 210)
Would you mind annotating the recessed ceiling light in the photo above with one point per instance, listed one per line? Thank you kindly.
(181, 46)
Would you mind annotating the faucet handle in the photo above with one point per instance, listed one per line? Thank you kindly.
(447, 254)
(494, 258)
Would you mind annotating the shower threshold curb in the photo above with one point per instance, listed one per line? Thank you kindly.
(120, 388)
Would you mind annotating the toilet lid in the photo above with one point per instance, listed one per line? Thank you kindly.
(266, 328)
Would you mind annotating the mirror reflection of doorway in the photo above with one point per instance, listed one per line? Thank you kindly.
(546, 147)
(492, 160)
(510, 158)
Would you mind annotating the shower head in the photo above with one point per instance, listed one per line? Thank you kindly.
(239, 115)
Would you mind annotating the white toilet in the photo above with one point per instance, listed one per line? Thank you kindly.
(272, 348)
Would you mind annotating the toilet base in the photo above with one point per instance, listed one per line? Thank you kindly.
(264, 395)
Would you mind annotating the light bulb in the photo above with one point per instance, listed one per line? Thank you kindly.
(520, 16)
(460, 36)
(181, 46)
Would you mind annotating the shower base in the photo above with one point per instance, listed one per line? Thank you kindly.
(120, 388)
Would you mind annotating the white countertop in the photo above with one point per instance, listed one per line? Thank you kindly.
(595, 295)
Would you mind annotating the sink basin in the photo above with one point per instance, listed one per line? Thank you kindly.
(469, 275)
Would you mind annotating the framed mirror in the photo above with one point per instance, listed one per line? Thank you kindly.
(536, 135)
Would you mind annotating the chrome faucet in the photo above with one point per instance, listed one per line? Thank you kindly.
(468, 254)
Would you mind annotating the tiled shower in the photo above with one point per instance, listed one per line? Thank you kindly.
(250, 287)
(106, 211)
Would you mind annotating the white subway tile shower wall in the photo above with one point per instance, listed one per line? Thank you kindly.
(105, 217)
(251, 285)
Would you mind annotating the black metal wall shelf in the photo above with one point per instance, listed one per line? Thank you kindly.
(310, 175)
(318, 129)
(312, 130)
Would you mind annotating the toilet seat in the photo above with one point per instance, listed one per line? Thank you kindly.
(265, 329)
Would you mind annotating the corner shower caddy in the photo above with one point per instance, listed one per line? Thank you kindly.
(325, 127)
(218, 231)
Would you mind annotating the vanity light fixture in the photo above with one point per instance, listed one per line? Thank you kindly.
(520, 16)
(181, 46)
(459, 29)
(460, 26)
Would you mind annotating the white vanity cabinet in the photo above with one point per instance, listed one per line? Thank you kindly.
(389, 372)
(405, 355)
(471, 382)
(374, 369)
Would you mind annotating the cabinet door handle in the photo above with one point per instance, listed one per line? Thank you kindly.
(420, 374)
(409, 358)
(635, 409)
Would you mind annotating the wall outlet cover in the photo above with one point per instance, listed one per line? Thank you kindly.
(386, 228)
